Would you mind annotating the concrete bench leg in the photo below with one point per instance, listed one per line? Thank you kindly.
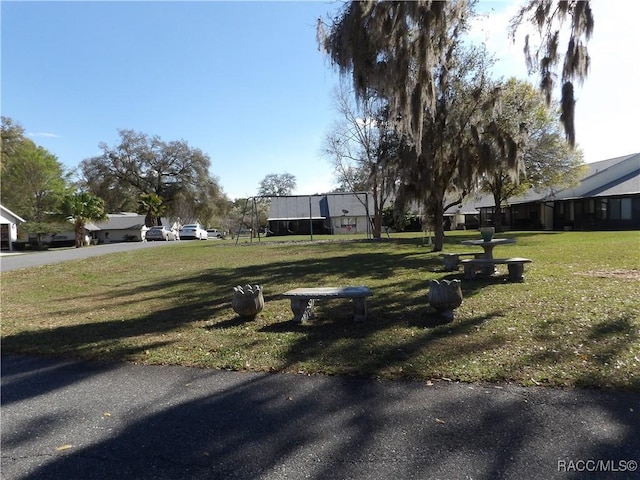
(469, 271)
(488, 270)
(302, 309)
(359, 309)
(451, 262)
(516, 271)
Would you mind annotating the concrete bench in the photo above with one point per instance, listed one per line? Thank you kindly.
(302, 300)
(452, 260)
(515, 265)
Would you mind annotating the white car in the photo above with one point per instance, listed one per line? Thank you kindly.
(194, 231)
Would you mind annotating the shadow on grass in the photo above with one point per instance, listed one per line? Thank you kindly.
(247, 427)
(199, 296)
(399, 301)
(399, 304)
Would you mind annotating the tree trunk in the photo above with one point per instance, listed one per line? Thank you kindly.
(377, 223)
(438, 230)
(437, 221)
(79, 235)
(497, 212)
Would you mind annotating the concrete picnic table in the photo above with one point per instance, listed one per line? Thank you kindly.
(490, 245)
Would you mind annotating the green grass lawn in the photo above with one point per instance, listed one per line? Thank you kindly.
(574, 321)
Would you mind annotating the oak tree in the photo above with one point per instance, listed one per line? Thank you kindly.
(143, 164)
(362, 145)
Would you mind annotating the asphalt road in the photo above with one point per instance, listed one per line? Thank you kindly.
(63, 419)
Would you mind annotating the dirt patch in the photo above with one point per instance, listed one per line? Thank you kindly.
(619, 273)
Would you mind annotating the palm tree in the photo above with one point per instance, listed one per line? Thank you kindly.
(83, 207)
(153, 206)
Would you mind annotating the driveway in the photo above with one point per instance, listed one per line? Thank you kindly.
(15, 260)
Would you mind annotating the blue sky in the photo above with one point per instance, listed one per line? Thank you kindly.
(242, 81)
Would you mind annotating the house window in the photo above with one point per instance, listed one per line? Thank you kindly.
(620, 209)
(603, 208)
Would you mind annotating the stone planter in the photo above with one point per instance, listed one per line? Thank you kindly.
(487, 233)
(445, 296)
(248, 300)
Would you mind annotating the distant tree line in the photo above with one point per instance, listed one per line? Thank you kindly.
(141, 174)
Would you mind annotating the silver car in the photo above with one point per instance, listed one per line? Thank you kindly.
(160, 233)
(215, 233)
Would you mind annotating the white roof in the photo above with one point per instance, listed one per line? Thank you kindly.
(7, 216)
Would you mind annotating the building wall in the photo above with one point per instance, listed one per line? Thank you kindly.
(347, 224)
(600, 213)
(299, 226)
(610, 213)
(8, 235)
(116, 236)
(330, 214)
(8, 228)
(68, 238)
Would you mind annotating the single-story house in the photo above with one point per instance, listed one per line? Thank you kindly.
(8, 228)
(522, 213)
(118, 227)
(68, 237)
(606, 198)
(332, 213)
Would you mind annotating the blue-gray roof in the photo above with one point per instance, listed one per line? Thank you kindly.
(612, 177)
(320, 206)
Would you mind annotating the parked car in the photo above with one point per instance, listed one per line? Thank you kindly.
(160, 233)
(215, 233)
(194, 231)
